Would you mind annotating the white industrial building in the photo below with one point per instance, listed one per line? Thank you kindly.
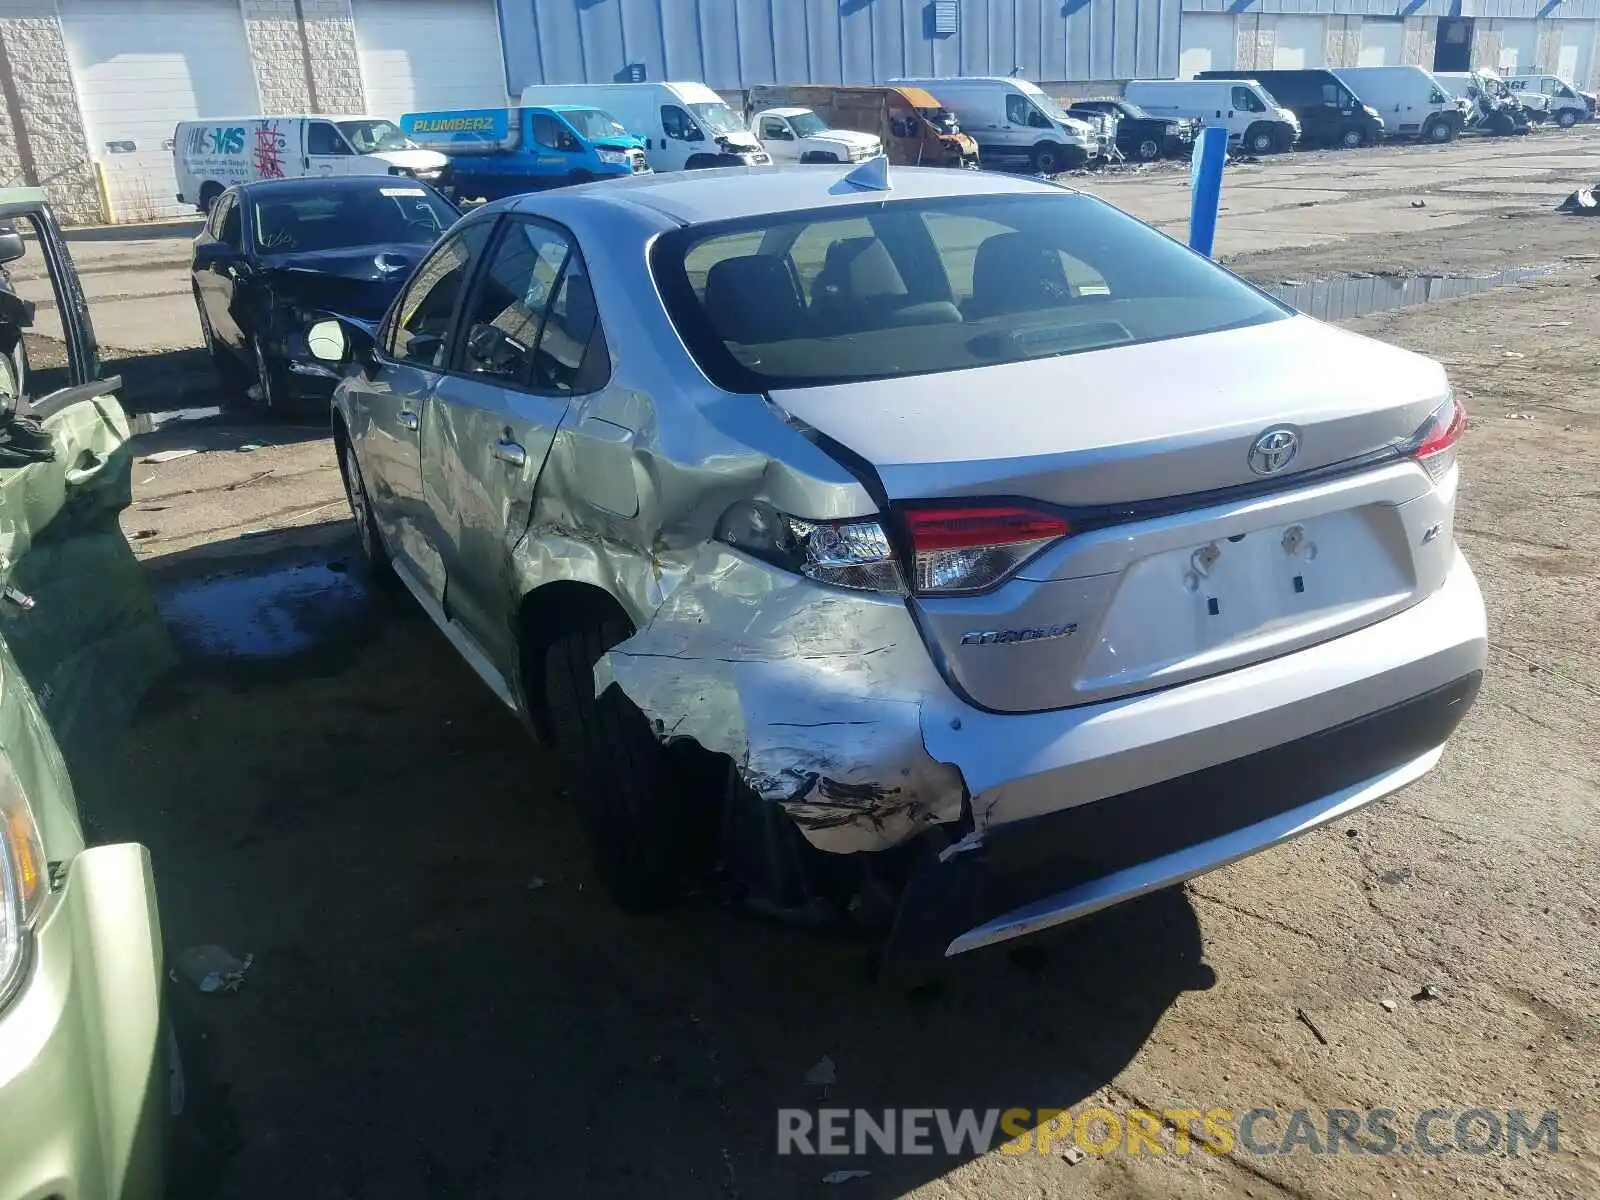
(92, 89)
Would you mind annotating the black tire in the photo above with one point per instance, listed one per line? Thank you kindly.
(1503, 124)
(1567, 119)
(230, 371)
(1439, 132)
(819, 156)
(578, 177)
(375, 560)
(271, 377)
(616, 772)
(700, 162)
(1050, 159)
(1148, 150)
(1260, 139)
(1350, 139)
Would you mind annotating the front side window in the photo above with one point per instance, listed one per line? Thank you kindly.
(675, 123)
(1017, 109)
(323, 138)
(551, 133)
(231, 231)
(921, 286)
(532, 316)
(422, 317)
(1247, 101)
(774, 129)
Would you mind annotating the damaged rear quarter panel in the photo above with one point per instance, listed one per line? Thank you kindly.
(815, 693)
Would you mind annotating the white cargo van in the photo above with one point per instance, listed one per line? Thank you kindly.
(1014, 119)
(1412, 103)
(684, 126)
(1254, 120)
(208, 156)
(1568, 106)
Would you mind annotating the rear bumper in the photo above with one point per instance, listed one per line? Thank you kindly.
(1076, 810)
(83, 1081)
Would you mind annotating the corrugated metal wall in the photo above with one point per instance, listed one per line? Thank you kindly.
(736, 43)
(1549, 9)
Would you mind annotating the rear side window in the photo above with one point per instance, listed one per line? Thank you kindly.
(918, 286)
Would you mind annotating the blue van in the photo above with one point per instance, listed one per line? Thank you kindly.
(497, 152)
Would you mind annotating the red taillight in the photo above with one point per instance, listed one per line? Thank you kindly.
(967, 548)
(1437, 448)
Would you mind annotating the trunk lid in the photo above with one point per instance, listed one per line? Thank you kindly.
(1184, 560)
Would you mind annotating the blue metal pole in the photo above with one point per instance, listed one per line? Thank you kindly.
(1205, 187)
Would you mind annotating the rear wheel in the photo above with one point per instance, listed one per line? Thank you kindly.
(617, 772)
(1567, 119)
(229, 370)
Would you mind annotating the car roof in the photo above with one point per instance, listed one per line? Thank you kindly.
(730, 193)
(326, 183)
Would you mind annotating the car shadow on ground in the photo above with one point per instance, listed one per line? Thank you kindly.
(443, 1003)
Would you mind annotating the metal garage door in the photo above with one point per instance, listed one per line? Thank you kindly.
(1299, 42)
(418, 55)
(1519, 42)
(1208, 43)
(140, 67)
(1574, 44)
(1383, 43)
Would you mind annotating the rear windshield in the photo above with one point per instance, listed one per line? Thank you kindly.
(886, 289)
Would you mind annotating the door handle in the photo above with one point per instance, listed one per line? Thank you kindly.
(409, 420)
(508, 451)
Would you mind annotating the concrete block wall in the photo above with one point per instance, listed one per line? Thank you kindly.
(1342, 45)
(330, 31)
(305, 55)
(50, 149)
(1255, 41)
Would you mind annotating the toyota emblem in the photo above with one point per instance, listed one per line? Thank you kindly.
(1273, 451)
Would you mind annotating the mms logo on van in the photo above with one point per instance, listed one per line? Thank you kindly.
(218, 139)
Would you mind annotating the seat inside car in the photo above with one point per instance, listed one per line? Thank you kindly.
(754, 299)
(859, 285)
(1013, 273)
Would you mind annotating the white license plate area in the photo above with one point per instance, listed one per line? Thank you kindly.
(1235, 597)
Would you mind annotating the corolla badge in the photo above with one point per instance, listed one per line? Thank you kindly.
(1008, 637)
(1273, 451)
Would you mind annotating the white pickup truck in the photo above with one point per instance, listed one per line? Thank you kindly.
(799, 135)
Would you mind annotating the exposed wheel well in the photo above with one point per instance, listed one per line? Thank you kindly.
(819, 156)
(547, 614)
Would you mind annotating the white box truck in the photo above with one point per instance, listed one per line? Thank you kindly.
(1568, 105)
(684, 126)
(1412, 103)
(1014, 119)
(1254, 120)
(208, 156)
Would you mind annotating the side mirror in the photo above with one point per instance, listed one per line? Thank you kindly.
(327, 342)
(214, 254)
(12, 247)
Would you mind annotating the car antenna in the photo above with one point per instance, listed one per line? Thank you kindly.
(872, 175)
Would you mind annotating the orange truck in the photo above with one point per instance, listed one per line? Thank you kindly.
(916, 129)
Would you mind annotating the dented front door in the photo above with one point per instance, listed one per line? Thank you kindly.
(525, 332)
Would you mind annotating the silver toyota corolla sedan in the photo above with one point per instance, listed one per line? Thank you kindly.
(944, 551)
